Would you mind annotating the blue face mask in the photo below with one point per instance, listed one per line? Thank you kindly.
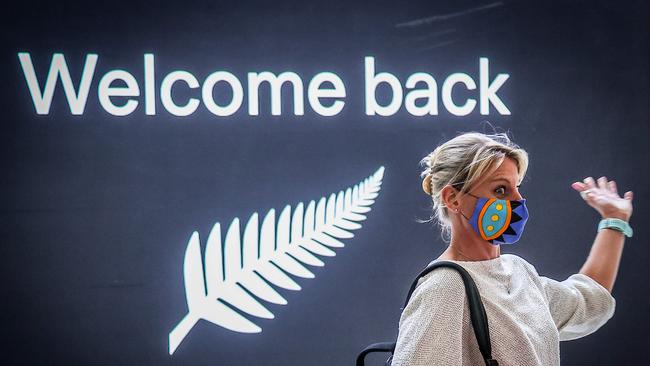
(499, 221)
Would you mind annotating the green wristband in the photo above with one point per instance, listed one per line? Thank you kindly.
(616, 224)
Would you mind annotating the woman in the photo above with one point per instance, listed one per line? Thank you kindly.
(473, 180)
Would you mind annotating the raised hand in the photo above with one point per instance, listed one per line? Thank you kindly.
(603, 196)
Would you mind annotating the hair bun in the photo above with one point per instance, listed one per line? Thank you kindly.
(426, 184)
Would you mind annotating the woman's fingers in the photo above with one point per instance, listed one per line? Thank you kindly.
(589, 181)
(628, 195)
(612, 187)
(588, 187)
(579, 186)
(587, 194)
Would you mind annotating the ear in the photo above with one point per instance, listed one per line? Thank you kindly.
(448, 196)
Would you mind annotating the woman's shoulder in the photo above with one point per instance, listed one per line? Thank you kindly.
(443, 283)
(440, 294)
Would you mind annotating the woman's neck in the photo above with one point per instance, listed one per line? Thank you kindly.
(472, 250)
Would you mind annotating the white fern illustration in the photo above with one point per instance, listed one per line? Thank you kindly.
(265, 255)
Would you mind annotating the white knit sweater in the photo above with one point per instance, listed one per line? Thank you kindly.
(528, 315)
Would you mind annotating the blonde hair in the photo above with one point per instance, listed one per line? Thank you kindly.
(462, 162)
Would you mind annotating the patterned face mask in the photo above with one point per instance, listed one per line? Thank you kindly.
(499, 221)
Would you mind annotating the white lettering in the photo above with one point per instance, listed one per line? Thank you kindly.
(58, 66)
(314, 92)
(166, 93)
(254, 81)
(489, 90)
(372, 80)
(430, 93)
(448, 85)
(149, 85)
(237, 93)
(326, 91)
(105, 92)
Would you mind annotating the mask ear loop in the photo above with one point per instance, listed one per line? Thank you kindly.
(461, 212)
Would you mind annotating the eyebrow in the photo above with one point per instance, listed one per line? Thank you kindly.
(500, 178)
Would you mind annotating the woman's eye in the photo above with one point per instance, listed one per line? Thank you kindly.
(500, 190)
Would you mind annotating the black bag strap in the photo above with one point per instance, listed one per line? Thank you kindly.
(476, 308)
(375, 347)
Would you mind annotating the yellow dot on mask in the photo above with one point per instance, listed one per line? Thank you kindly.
(495, 217)
(490, 228)
(499, 207)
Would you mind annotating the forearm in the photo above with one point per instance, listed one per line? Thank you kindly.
(604, 257)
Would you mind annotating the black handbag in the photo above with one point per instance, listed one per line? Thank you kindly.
(477, 315)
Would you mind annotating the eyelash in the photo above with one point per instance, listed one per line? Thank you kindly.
(504, 187)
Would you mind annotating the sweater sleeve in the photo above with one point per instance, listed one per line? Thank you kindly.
(579, 305)
(430, 327)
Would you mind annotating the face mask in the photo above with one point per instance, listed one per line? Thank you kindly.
(499, 221)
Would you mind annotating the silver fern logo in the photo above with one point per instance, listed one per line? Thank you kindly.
(266, 255)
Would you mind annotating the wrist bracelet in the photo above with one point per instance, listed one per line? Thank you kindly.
(616, 224)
